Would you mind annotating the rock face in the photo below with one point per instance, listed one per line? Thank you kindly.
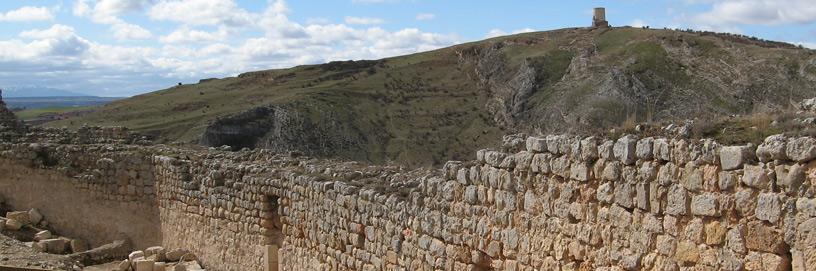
(10, 125)
(563, 202)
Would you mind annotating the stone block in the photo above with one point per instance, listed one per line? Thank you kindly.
(20, 216)
(536, 144)
(769, 207)
(705, 204)
(54, 246)
(756, 177)
(687, 253)
(801, 149)
(589, 149)
(624, 149)
(143, 265)
(645, 149)
(773, 148)
(34, 216)
(78, 245)
(760, 237)
(733, 157)
(605, 192)
(677, 201)
(42, 235)
(13, 225)
(715, 233)
(580, 171)
(661, 150)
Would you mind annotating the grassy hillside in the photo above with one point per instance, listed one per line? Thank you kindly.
(429, 107)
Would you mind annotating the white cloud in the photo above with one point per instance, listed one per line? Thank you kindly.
(638, 23)
(27, 14)
(202, 12)
(186, 34)
(363, 20)
(126, 31)
(425, 16)
(498, 32)
(207, 42)
(757, 12)
(108, 11)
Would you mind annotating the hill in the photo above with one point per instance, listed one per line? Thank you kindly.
(430, 107)
(38, 91)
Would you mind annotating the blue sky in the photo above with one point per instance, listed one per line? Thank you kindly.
(126, 47)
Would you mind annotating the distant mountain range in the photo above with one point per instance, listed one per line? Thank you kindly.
(38, 91)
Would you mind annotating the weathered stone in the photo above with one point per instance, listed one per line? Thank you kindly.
(605, 192)
(645, 148)
(156, 253)
(34, 216)
(687, 253)
(624, 193)
(536, 144)
(589, 149)
(715, 233)
(78, 245)
(494, 158)
(143, 265)
(705, 204)
(661, 150)
(794, 178)
(606, 150)
(133, 256)
(756, 176)
(13, 225)
(733, 157)
(773, 148)
(759, 237)
(769, 207)
(20, 216)
(678, 201)
(42, 235)
(624, 149)
(801, 149)
(580, 171)
(54, 246)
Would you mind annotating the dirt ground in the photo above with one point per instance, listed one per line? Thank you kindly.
(17, 254)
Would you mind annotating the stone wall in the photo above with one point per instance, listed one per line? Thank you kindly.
(557, 202)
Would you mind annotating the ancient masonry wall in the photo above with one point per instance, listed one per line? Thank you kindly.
(557, 202)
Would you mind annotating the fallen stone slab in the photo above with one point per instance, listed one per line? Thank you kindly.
(21, 216)
(175, 254)
(115, 251)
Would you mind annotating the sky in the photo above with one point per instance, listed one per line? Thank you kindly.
(128, 47)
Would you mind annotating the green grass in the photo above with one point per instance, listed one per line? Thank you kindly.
(30, 114)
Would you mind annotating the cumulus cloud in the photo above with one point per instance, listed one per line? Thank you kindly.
(758, 12)
(498, 32)
(108, 12)
(425, 16)
(202, 12)
(363, 20)
(27, 14)
(211, 38)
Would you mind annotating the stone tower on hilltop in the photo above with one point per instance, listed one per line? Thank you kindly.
(9, 123)
(599, 18)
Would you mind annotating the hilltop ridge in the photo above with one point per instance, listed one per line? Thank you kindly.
(434, 106)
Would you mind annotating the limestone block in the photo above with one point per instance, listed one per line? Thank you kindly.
(687, 253)
(692, 178)
(759, 237)
(756, 176)
(78, 245)
(801, 149)
(661, 150)
(54, 246)
(124, 265)
(773, 148)
(589, 149)
(727, 180)
(42, 235)
(611, 171)
(735, 240)
(624, 193)
(580, 171)
(665, 245)
(133, 256)
(624, 149)
(645, 149)
(536, 144)
(605, 192)
(13, 225)
(793, 179)
(715, 233)
(745, 201)
(20, 216)
(159, 266)
(34, 216)
(143, 265)
(605, 150)
(494, 158)
(156, 253)
(733, 157)
(768, 207)
(705, 204)
(806, 206)
(677, 201)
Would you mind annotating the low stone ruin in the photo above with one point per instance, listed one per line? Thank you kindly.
(158, 259)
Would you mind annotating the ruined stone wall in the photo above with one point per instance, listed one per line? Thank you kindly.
(557, 202)
(93, 193)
